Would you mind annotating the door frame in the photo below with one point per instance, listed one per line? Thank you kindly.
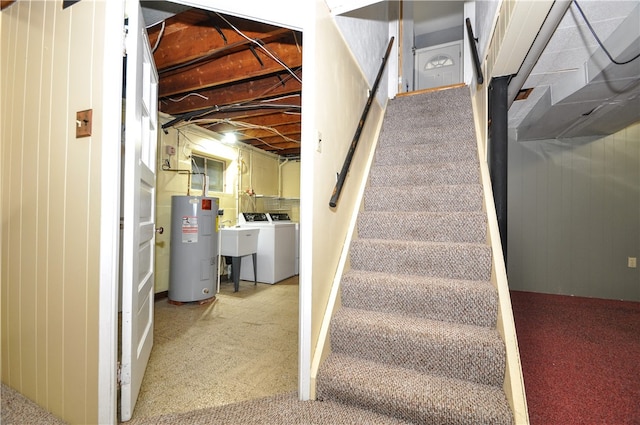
(110, 193)
(111, 117)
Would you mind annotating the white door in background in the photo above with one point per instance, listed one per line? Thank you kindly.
(438, 65)
(139, 199)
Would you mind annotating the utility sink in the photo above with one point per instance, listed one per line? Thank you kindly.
(238, 241)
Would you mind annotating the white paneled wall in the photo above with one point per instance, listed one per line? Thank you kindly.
(574, 216)
(51, 67)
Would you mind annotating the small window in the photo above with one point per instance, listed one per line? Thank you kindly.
(438, 61)
(211, 167)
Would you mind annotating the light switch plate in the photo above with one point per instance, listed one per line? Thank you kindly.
(83, 123)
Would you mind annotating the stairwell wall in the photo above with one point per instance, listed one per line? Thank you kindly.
(334, 104)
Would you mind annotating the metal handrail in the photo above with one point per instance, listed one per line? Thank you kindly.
(474, 51)
(354, 143)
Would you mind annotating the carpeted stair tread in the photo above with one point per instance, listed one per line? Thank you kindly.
(410, 131)
(404, 393)
(412, 135)
(432, 118)
(467, 197)
(426, 153)
(441, 173)
(460, 301)
(468, 227)
(437, 259)
(455, 350)
(449, 106)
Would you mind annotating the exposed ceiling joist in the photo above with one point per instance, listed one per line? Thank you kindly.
(230, 74)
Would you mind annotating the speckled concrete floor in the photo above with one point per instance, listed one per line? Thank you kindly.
(241, 347)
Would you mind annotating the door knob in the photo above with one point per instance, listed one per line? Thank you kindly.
(160, 230)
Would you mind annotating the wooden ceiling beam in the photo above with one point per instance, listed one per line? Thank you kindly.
(252, 108)
(266, 87)
(203, 47)
(266, 118)
(273, 146)
(261, 132)
(239, 87)
(271, 120)
(273, 140)
(248, 111)
(282, 151)
(232, 68)
(243, 128)
(195, 24)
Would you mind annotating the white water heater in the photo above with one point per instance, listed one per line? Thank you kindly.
(194, 248)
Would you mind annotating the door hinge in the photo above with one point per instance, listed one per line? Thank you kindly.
(119, 375)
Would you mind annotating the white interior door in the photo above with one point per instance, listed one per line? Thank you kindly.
(439, 65)
(138, 209)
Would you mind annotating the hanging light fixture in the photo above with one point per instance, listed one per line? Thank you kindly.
(230, 138)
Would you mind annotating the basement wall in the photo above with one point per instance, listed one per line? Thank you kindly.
(574, 216)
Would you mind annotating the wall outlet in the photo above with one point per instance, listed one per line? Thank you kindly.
(632, 262)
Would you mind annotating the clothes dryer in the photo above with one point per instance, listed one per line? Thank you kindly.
(276, 247)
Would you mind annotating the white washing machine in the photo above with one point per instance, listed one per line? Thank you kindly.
(276, 247)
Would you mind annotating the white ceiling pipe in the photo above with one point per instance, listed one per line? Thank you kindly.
(555, 15)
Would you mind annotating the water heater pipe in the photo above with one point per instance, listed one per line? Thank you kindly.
(238, 183)
(280, 177)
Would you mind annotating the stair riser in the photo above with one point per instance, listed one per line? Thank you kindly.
(425, 154)
(453, 261)
(425, 350)
(469, 228)
(410, 137)
(474, 303)
(423, 198)
(419, 175)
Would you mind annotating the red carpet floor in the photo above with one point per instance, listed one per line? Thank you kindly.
(580, 358)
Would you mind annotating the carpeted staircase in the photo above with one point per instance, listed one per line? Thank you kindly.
(415, 337)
